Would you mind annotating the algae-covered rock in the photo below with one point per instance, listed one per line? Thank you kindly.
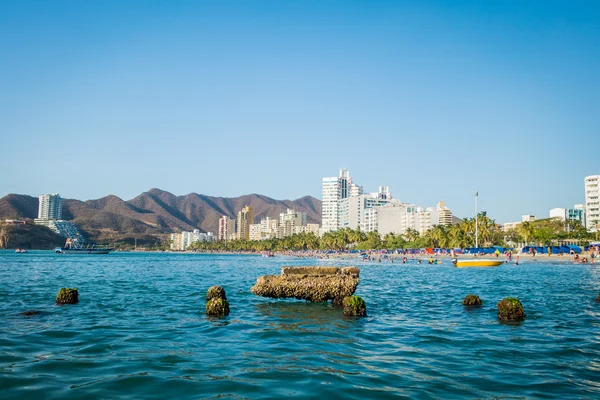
(215, 292)
(311, 288)
(510, 310)
(355, 306)
(67, 296)
(598, 298)
(217, 307)
(309, 283)
(471, 300)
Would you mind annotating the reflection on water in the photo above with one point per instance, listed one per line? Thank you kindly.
(140, 328)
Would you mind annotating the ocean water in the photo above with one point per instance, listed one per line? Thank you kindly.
(140, 331)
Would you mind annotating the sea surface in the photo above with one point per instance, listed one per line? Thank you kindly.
(139, 331)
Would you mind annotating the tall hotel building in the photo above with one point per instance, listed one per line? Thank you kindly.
(592, 202)
(334, 190)
(245, 219)
(226, 228)
(50, 207)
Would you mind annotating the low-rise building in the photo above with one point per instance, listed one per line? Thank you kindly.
(181, 241)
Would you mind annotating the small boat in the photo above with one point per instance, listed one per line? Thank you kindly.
(20, 250)
(73, 247)
(476, 262)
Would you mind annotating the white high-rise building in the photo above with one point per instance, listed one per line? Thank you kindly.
(444, 214)
(226, 228)
(592, 203)
(50, 207)
(334, 190)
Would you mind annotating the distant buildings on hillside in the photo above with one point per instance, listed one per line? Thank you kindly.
(345, 205)
(50, 215)
(289, 223)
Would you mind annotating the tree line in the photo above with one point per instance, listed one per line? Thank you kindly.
(460, 235)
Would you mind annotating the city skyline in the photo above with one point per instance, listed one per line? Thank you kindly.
(434, 100)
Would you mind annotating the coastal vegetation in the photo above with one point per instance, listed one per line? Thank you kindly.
(542, 232)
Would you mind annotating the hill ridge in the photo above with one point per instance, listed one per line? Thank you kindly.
(157, 212)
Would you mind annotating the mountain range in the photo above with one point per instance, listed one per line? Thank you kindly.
(156, 212)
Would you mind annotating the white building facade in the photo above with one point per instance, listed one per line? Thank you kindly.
(592, 203)
(336, 189)
(181, 241)
(226, 228)
(50, 206)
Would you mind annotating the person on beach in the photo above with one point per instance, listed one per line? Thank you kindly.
(549, 251)
(517, 263)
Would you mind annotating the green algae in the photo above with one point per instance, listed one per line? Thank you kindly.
(67, 296)
(354, 306)
(510, 309)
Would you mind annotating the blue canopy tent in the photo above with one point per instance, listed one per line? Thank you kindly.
(576, 249)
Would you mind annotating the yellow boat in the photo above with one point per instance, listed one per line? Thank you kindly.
(476, 262)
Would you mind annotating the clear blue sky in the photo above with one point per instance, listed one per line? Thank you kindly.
(226, 98)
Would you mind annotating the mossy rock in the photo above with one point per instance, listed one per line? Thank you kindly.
(215, 292)
(598, 298)
(217, 307)
(67, 296)
(511, 310)
(354, 306)
(471, 300)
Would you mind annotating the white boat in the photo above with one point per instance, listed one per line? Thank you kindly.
(476, 262)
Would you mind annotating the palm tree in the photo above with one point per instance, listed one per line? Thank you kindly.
(527, 230)
(411, 234)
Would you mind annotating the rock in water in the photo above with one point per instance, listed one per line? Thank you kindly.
(472, 300)
(215, 292)
(216, 302)
(510, 310)
(309, 283)
(355, 306)
(67, 296)
(31, 313)
(217, 307)
(598, 298)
